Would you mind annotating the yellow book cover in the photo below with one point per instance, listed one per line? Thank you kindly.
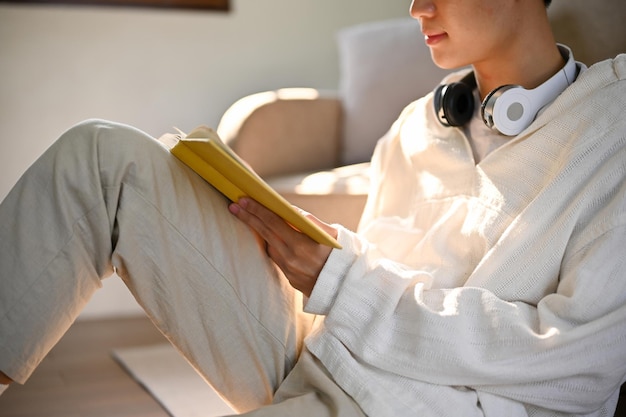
(204, 152)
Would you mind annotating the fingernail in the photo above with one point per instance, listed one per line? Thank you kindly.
(234, 208)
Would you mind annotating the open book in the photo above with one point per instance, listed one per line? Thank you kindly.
(204, 152)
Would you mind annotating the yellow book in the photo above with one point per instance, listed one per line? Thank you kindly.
(204, 152)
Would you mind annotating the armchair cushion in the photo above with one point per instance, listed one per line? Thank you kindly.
(336, 196)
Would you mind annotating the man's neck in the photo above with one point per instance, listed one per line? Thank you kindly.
(527, 62)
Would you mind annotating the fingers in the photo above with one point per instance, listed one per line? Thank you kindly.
(268, 225)
(299, 257)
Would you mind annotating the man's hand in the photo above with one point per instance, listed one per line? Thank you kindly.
(300, 258)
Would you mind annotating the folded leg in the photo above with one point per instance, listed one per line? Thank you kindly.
(107, 197)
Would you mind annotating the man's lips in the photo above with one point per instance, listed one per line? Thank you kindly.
(434, 37)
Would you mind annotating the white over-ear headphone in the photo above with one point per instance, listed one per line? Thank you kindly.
(512, 108)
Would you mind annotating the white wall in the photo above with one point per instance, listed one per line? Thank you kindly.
(156, 69)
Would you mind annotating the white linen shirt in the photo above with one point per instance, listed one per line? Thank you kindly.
(495, 288)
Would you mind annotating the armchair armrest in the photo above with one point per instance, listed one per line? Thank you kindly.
(284, 131)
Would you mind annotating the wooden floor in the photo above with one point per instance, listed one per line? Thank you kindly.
(79, 378)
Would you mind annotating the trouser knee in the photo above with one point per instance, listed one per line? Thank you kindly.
(111, 149)
(103, 134)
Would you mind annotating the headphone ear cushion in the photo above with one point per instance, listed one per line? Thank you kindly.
(437, 101)
(454, 103)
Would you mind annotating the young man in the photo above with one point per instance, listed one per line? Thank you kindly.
(487, 277)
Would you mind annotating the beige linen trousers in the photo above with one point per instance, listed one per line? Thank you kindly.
(106, 197)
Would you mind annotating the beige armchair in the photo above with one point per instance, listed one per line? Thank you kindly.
(313, 146)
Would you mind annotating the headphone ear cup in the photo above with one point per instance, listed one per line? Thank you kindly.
(509, 109)
(506, 109)
(454, 104)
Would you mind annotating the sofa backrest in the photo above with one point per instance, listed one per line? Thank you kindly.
(384, 66)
